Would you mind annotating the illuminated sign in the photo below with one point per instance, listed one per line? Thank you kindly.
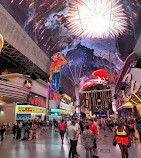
(65, 111)
(36, 100)
(64, 106)
(135, 86)
(24, 109)
(28, 84)
(55, 110)
(55, 114)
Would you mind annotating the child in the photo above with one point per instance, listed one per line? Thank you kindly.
(87, 140)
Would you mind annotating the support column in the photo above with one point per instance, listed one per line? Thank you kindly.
(77, 103)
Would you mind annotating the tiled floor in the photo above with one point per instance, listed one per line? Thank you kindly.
(48, 145)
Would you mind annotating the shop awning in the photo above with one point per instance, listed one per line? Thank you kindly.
(126, 106)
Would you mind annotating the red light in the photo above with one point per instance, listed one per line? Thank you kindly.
(102, 74)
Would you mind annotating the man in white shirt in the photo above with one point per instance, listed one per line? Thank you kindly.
(73, 140)
(68, 124)
(77, 134)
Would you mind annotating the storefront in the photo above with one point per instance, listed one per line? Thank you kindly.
(29, 112)
(20, 90)
(126, 110)
(65, 110)
(55, 114)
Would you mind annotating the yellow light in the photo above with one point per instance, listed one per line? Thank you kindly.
(1, 42)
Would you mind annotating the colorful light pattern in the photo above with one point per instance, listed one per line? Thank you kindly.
(92, 82)
(97, 18)
(102, 74)
(49, 21)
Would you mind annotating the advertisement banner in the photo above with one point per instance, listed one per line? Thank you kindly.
(64, 106)
(21, 109)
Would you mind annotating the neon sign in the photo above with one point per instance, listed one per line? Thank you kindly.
(36, 100)
(135, 86)
(28, 84)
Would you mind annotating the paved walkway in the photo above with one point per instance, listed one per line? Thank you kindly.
(48, 145)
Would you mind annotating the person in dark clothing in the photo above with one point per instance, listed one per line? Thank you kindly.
(18, 132)
(139, 128)
(81, 124)
(14, 130)
(2, 130)
(41, 124)
(55, 125)
(26, 130)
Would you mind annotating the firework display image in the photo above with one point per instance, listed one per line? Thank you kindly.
(97, 19)
(87, 29)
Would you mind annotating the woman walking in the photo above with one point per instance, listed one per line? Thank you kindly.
(33, 131)
(122, 138)
(62, 130)
(87, 140)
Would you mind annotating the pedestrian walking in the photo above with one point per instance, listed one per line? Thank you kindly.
(72, 136)
(2, 130)
(18, 136)
(62, 128)
(14, 129)
(122, 137)
(87, 141)
(139, 128)
(104, 128)
(81, 123)
(77, 135)
(93, 128)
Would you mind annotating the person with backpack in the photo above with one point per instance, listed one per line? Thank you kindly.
(87, 141)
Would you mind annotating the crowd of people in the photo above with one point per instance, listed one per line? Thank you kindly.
(87, 130)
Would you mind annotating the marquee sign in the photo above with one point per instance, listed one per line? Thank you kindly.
(64, 106)
(36, 100)
(23, 109)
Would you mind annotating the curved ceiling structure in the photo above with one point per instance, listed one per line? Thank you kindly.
(92, 36)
